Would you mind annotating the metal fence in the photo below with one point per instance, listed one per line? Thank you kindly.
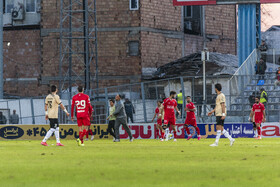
(145, 95)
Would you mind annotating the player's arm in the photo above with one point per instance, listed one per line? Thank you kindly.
(211, 112)
(72, 109)
(57, 99)
(46, 111)
(176, 108)
(223, 110)
(192, 110)
(251, 115)
(154, 117)
(264, 117)
(64, 109)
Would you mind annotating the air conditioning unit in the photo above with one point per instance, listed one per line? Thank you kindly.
(18, 12)
(188, 25)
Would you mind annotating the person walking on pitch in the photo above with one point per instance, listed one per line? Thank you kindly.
(220, 112)
(52, 103)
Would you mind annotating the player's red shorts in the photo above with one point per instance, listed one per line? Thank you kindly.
(159, 121)
(258, 120)
(169, 120)
(83, 121)
(191, 122)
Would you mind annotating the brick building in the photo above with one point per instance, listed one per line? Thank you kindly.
(134, 37)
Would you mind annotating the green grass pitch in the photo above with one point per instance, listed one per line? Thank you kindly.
(249, 162)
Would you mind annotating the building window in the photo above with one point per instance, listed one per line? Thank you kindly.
(134, 4)
(192, 20)
(133, 48)
(9, 5)
(188, 11)
(30, 6)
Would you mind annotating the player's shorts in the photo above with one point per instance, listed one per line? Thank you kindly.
(191, 122)
(159, 121)
(53, 123)
(220, 121)
(83, 121)
(169, 120)
(258, 121)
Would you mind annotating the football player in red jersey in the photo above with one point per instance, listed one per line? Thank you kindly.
(158, 114)
(258, 111)
(191, 120)
(84, 110)
(169, 105)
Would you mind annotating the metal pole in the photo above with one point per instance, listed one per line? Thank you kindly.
(183, 34)
(70, 54)
(184, 100)
(203, 27)
(96, 50)
(32, 111)
(143, 100)
(86, 45)
(20, 116)
(60, 47)
(106, 101)
(1, 52)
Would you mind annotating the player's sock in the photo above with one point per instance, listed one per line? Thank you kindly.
(218, 136)
(56, 133)
(255, 132)
(87, 133)
(156, 133)
(197, 130)
(81, 136)
(175, 134)
(188, 131)
(227, 134)
(162, 134)
(90, 132)
(259, 130)
(49, 134)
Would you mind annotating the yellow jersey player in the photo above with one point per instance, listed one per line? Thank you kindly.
(51, 112)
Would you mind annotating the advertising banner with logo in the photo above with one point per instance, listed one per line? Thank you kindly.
(271, 130)
(139, 131)
(38, 132)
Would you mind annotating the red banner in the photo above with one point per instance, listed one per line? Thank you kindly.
(193, 2)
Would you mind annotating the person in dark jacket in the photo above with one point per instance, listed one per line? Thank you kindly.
(263, 50)
(129, 110)
(121, 119)
(3, 119)
(261, 68)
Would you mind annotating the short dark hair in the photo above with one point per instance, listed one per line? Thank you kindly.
(188, 96)
(53, 88)
(159, 101)
(80, 88)
(112, 100)
(258, 97)
(172, 93)
(218, 86)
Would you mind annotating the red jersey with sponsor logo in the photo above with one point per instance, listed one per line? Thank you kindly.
(83, 107)
(190, 114)
(169, 106)
(258, 109)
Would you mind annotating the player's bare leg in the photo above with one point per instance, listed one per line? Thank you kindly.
(197, 132)
(188, 131)
(166, 132)
(157, 131)
(175, 132)
(259, 137)
(161, 133)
